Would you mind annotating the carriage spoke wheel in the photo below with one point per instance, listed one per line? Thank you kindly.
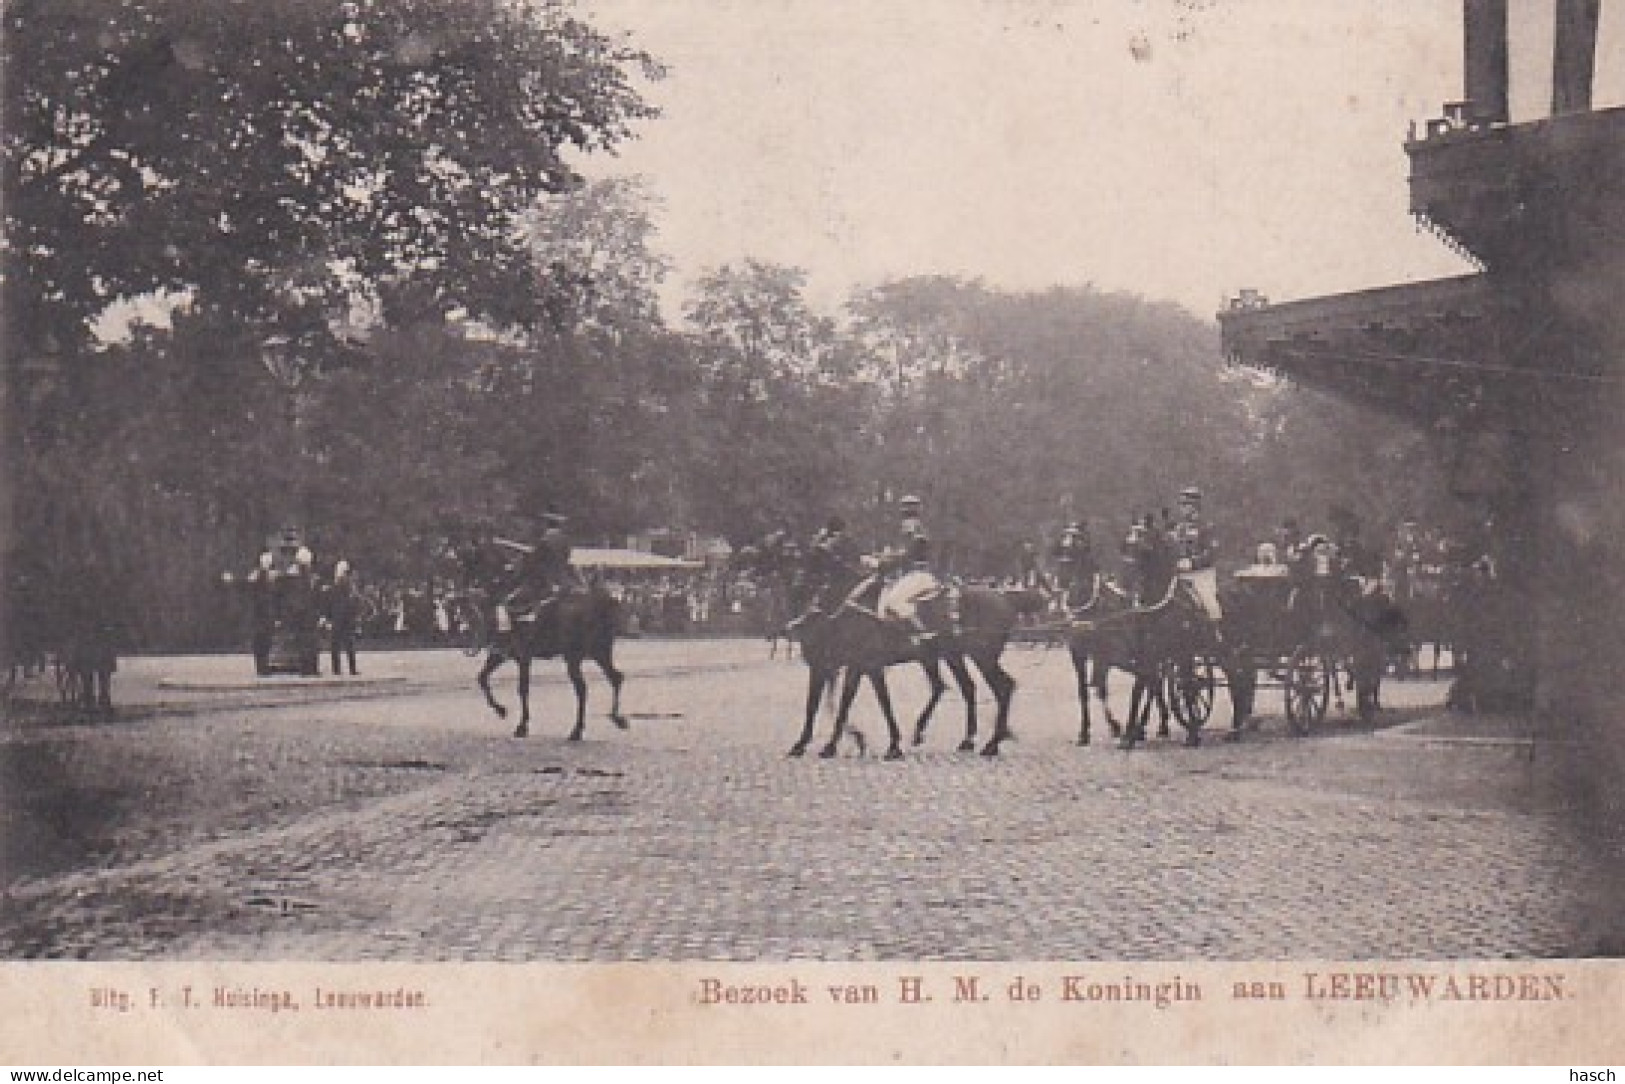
(1190, 688)
(1308, 689)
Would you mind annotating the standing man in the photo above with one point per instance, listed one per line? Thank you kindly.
(302, 610)
(342, 609)
(262, 601)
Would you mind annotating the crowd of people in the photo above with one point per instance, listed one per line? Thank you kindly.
(485, 583)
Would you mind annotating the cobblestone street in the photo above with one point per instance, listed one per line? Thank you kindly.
(393, 818)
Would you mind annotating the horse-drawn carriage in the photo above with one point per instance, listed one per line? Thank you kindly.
(1302, 634)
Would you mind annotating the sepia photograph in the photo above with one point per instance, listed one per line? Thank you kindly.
(812, 531)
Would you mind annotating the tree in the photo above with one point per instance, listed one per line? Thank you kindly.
(280, 173)
(284, 162)
(769, 433)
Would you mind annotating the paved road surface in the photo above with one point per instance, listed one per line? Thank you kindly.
(392, 817)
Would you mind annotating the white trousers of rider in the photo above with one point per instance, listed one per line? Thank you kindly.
(901, 601)
(1203, 585)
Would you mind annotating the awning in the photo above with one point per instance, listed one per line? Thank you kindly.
(631, 560)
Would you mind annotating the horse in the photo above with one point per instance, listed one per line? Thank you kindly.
(1160, 645)
(851, 638)
(576, 626)
(1373, 629)
(1097, 634)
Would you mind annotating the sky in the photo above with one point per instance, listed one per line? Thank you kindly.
(1177, 149)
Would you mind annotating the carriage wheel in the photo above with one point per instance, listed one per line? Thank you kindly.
(1308, 689)
(1190, 686)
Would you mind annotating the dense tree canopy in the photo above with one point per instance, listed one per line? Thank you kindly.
(386, 308)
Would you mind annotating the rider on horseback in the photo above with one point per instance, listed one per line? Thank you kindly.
(832, 561)
(545, 573)
(1194, 543)
(917, 583)
(1075, 564)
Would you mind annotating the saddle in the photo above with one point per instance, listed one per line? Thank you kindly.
(937, 611)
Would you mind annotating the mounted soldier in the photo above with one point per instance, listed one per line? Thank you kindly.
(1075, 562)
(833, 563)
(1356, 560)
(543, 572)
(916, 583)
(1195, 548)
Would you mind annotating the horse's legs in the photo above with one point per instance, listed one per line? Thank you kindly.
(605, 658)
(967, 691)
(933, 674)
(493, 659)
(523, 729)
(877, 678)
(817, 681)
(1102, 672)
(1080, 668)
(1004, 687)
(578, 680)
(1139, 710)
(849, 692)
(1159, 696)
(1243, 680)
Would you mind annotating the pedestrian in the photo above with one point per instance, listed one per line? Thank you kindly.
(342, 610)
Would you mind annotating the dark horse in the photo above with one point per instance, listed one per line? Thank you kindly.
(853, 638)
(579, 625)
(1170, 647)
(1100, 639)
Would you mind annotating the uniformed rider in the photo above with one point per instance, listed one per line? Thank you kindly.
(917, 582)
(833, 560)
(1074, 557)
(545, 573)
(1195, 546)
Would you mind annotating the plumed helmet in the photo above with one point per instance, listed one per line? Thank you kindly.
(267, 560)
(1267, 553)
(341, 569)
(304, 556)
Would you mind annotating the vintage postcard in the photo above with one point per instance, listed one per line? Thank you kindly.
(808, 531)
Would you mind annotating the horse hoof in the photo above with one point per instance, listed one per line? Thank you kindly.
(502, 712)
(827, 752)
(575, 735)
(990, 750)
(919, 737)
(967, 746)
(620, 721)
(798, 749)
(521, 732)
(1083, 739)
(894, 753)
(1193, 739)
